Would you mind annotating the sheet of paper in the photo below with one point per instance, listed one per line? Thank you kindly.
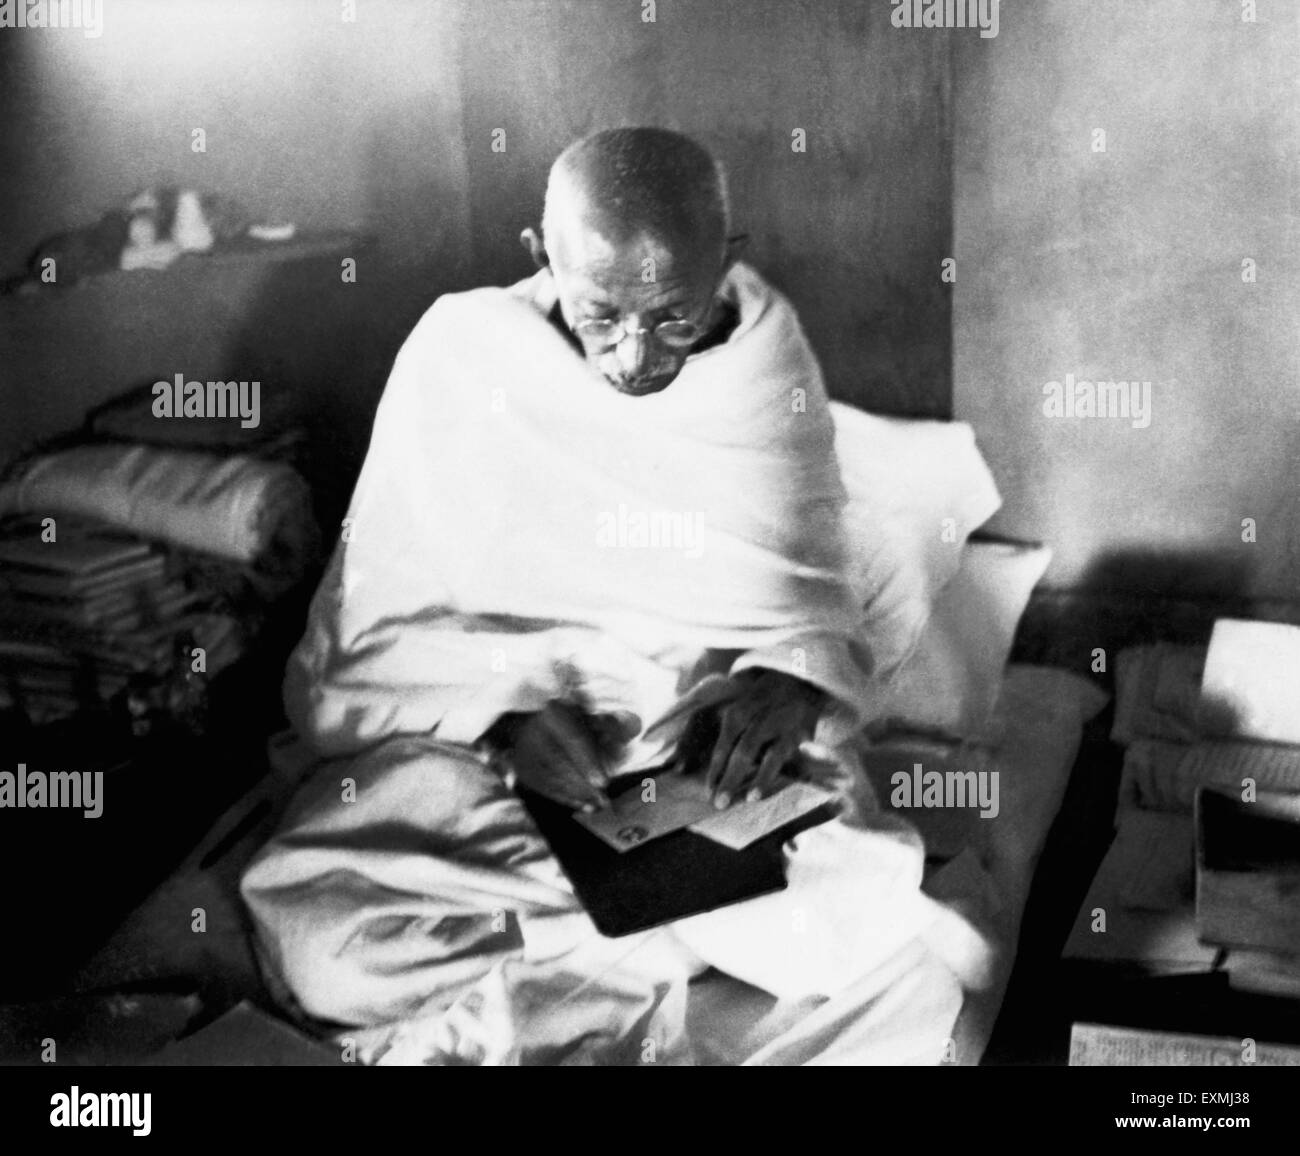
(1164, 776)
(1103, 1045)
(1161, 940)
(650, 809)
(740, 825)
(640, 814)
(1251, 684)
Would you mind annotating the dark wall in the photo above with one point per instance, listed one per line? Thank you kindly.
(1117, 265)
(854, 229)
(331, 125)
(385, 126)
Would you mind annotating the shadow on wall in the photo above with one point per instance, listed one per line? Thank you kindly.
(1132, 597)
(1173, 573)
(332, 354)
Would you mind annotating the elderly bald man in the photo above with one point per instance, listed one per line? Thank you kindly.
(636, 238)
(515, 600)
(637, 245)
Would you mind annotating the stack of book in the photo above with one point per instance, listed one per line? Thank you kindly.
(1201, 879)
(83, 609)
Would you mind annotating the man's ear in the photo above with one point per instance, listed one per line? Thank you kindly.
(736, 245)
(533, 243)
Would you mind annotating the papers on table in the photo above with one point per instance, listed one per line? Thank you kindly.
(1251, 685)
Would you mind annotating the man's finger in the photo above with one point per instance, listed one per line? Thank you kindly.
(694, 748)
(743, 762)
(737, 718)
(560, 793)
(540, 769)
(557, 774)
(567, 788)
(579, 748)
(740, 770)
(774, 762)
(728, 734)
(615, 729)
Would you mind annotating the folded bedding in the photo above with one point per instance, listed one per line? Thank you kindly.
(236, 508)
(120, 562)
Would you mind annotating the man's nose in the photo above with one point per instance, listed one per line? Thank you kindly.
(634, 352)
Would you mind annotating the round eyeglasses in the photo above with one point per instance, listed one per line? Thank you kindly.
(604, 332)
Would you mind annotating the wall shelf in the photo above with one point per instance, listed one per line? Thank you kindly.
(306, 245)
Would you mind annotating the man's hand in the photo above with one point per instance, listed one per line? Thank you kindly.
(562, 752)
(760, 732)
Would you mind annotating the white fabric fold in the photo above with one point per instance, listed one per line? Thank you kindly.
(491, 557)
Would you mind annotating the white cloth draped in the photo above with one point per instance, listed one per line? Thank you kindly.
(491, 562)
